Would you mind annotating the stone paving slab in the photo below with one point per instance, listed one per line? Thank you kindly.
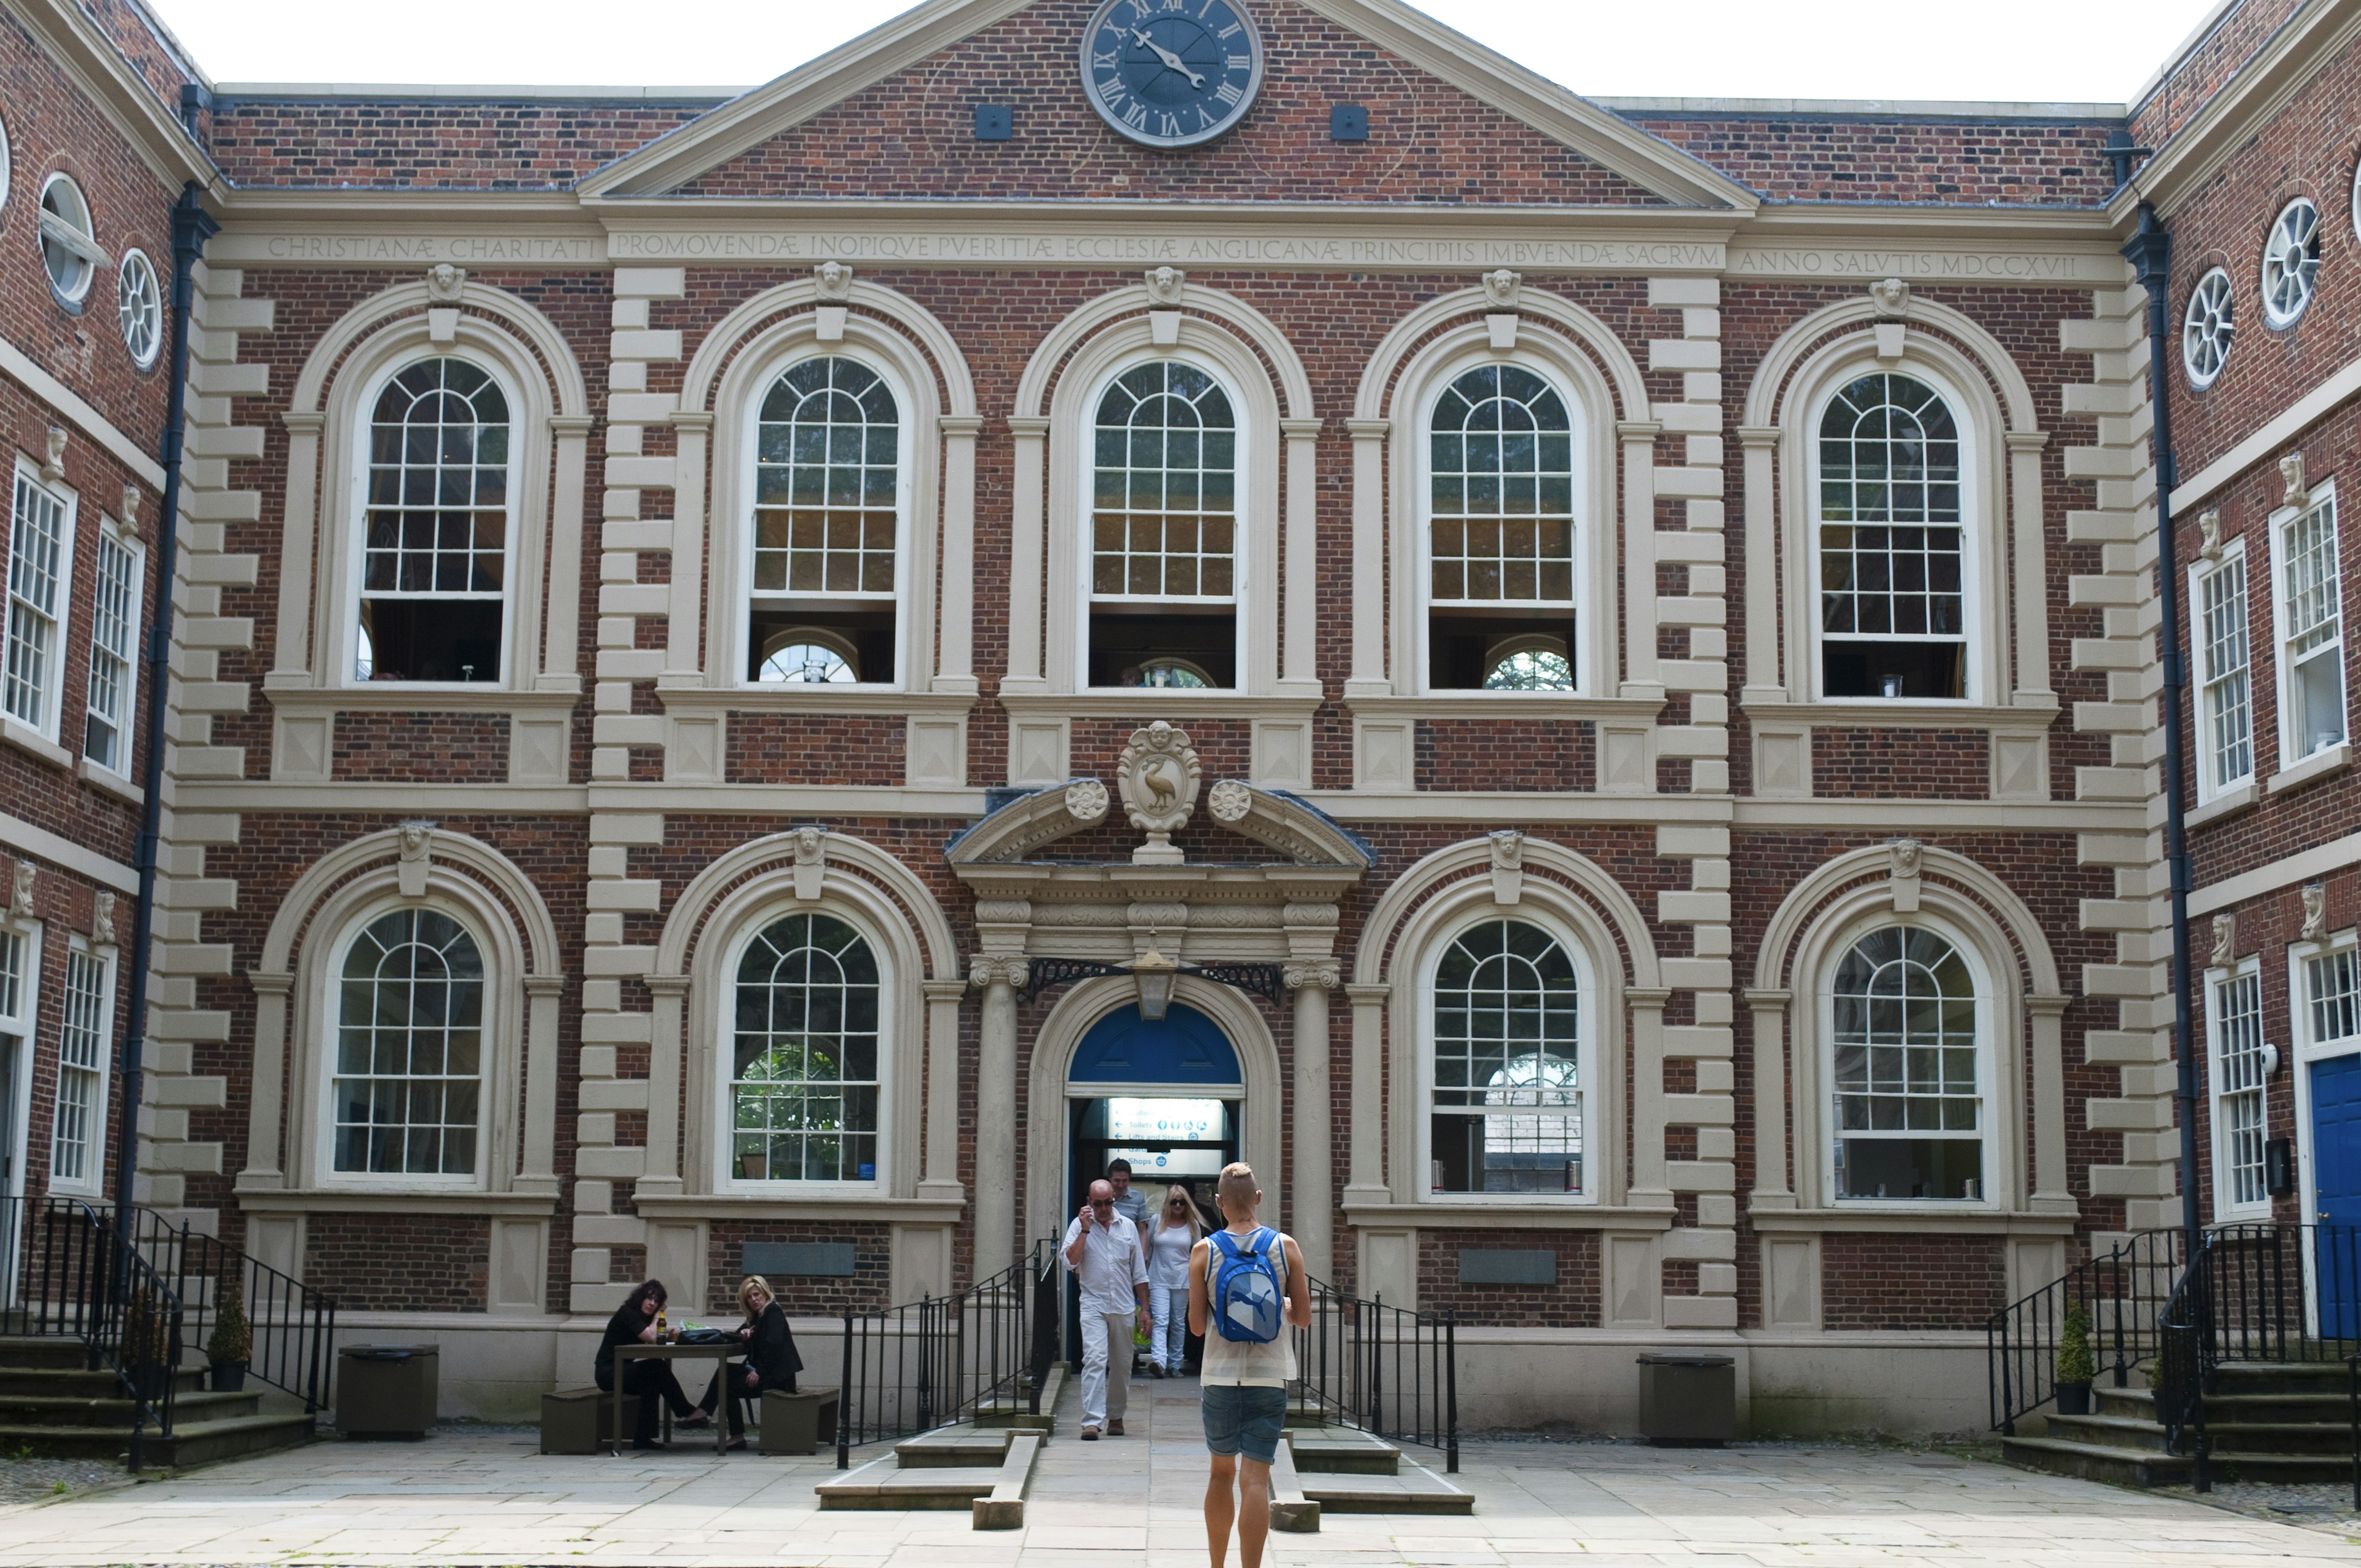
(485, 1496)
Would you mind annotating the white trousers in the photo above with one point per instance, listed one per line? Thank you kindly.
(1167, 1339)
(1105, 1393)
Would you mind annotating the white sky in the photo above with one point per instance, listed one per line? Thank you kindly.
(2085, 51)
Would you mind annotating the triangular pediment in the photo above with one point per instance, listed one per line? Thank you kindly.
(890, 116)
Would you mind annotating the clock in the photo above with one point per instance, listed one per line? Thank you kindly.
(1171, 72)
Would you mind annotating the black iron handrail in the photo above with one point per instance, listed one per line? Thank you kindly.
(291, 1326)
(2121, 1291)
(1390, 1371)
(63, 1276)
(911, 1368)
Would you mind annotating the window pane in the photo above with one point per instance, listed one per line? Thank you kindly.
(1500, 490)
(438, 523)
(2237, 1019)
(1902, 1068)
(1890, 523)
(829, 446)
(1505, 1092)
(1164, 485)
(803, 1084)
(409, 1059)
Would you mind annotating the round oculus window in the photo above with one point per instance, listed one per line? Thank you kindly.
(1171, 73)
(2205, 330)
(69, 253)
(140, 301)
(4, 169)
(2290, 262)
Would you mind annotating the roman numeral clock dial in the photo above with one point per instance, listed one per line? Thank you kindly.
(1171, 72)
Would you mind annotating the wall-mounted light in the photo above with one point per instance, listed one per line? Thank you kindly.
(1153, 972)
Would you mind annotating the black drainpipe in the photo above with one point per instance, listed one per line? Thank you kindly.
(191, 227)
(2150, 254)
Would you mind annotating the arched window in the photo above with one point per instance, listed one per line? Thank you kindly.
(1163, 565)
(1507, 1113)
(434, 561)
(406, 1091)
(804, 1081)
(1892, 594)
(1906, 1076)
(827, 501)
(1500, 534)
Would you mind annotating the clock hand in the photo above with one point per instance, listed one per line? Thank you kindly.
(1171, 62)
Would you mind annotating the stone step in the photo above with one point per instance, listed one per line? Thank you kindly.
(1343, 1451)
(883, 1484)
(2237, 1378)
(1291, 1510)
(955, 1448)
(41, 1351)
(1017, 1410)
(57, 1382)
(75, 1410)
(1414, 1490)
(2290, 1438)
(2096, 1462)
(2131, 1433)
(1003, 1508)
(191, 1443)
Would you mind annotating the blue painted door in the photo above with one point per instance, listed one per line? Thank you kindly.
(2337, 1176)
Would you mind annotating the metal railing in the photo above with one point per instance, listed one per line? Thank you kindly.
(291, 1326)
(923, 1365)
(2123, 1291)
(63, 1275)
(1387, 1370)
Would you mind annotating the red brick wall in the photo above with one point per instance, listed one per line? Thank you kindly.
(1571, 1304)
(399, 1263)
(914, 133)
(1507, 754)
(1904, 764)
(443, 144)
(420, 748)
(1872, 157)
(1897, 1283)
(2189, 84)
(778, 748)
(866, 1288)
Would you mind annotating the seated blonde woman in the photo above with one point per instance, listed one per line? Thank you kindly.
(771, 1359)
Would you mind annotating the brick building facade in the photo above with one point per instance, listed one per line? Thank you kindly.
(1614, 644)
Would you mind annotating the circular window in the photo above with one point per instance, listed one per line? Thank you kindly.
(2205, 331)
(68, 252)
(140, 303)
(4, 169)
(807, 657)
(2290, 262)
(2357, 182)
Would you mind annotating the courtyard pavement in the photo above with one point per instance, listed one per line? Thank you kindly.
(485, 1496)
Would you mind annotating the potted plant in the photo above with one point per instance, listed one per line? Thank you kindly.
(146, 1345)
(2075, 1365)
(232, 1344)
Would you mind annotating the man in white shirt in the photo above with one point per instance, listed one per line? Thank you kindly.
(1102, 1250)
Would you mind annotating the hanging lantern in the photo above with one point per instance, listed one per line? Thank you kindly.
(1154, 973)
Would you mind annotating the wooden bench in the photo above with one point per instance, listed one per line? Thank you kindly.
(800, 1422)
(577, 1420)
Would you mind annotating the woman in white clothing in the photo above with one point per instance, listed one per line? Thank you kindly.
(1172, 1234)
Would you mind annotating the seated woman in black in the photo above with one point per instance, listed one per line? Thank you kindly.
(771, 1358)
(635, 1323)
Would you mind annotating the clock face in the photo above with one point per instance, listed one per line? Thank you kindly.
(1171, 72)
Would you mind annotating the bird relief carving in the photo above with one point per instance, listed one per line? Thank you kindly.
(1157, 777)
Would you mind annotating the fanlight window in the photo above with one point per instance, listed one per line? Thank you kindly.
(1507, 1091)
(1908, 1101)
(2205, 331)
(1501, 533)
(2290, 263)
(434, 566)
(1893, 605)
(804, 1089)
(406, 1091)
(1164, 529)
(828, 497)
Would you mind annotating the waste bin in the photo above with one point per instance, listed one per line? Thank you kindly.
(1688, 1398)
(386, 1390)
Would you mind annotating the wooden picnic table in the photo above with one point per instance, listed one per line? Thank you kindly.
(722, 1352)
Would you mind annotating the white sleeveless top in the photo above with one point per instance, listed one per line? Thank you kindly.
(1241, 1363)
(1167, 1255)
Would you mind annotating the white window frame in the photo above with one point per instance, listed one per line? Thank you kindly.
(526, 448)
(2220, 305)
(2312, 1047)
(490, 1081)
(905, 678)
(2203, 575)
(8, 167)
(2294, 745)
(2272, 317)
(726, 1178)
(135, 272)
(1995, 1185)
(2225, 1206)
(127, 684)
(60, 617)
(1976, 533)
(1595, 1172)
(96, 1077)
(1592, 601)
(82, 243)
(1248, 599)
(20, 1022)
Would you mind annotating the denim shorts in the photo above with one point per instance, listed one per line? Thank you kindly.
(1245, 1420)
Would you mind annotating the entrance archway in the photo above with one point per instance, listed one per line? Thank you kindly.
(1094, 1047)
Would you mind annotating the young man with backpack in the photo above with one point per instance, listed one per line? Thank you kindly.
(1247, 1288)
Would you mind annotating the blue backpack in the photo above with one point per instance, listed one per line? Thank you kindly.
(1246, 1286)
